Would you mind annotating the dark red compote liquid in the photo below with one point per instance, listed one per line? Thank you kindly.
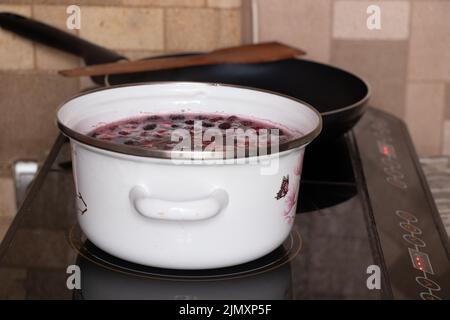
(155, 131)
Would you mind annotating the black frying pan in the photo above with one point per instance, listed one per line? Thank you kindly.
(338, 95)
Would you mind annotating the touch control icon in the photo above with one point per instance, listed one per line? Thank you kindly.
(420, 260)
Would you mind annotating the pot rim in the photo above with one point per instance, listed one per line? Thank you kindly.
(181, 154)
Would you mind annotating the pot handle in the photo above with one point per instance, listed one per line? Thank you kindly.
(196, 209)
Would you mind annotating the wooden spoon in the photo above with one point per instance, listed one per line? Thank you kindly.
(252, 53)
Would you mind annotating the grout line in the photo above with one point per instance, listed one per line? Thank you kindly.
(408, 54)
(246, 21)
(165, 32)
(130, 6)
(331, 37)
(34, 47)
(447, 101)
(445, 151)
(255, 21)
(427, 81)
(444, 111)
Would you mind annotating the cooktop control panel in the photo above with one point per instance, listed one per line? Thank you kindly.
(403, 211)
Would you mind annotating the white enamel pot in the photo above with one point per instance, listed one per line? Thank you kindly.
(144, 207)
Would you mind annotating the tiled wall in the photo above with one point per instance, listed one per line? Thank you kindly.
(407, 61)
(30, 89)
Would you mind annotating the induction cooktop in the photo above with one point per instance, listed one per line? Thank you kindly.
(366, 228)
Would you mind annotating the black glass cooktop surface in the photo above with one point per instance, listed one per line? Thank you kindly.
(366, 228)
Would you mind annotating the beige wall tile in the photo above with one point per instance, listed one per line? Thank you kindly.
(78, 2)
(138, 54)
(389, 97)
(424, 116)
(53, 59)
(247, 22)
(16, 1)
(28, 113)
(15, 7)
(447, 101)
(69, 2)
(48, 58)
(446, 139)
(382, 63)
(15, 52)
(305, 24)
(7, 197)
(165, 3)
(123, 28)
(202, 29)
(5, 223)
(192, 29)
(224, 3)
(429, 54)
(230, 28)
(350, 20)
(5, 169)
(85, 83)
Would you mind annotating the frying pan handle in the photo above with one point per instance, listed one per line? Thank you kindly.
(190, 210)
(56, 38)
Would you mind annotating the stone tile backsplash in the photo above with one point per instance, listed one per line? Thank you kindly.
(28, 103)
(48, 58)
(30, 89)
(349, 21)
(424, 115)
(305, 24)
(382, 63)
(124, 27)
(15, 53)
(429, 53)
(407, 61)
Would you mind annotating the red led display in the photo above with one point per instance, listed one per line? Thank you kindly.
(420, 261)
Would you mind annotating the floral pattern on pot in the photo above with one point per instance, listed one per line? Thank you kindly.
(291, 200)
(284, 189)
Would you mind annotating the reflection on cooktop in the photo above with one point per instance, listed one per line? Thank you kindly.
(327, 178)
(379, 224)
(107, 277)
(275, 259)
